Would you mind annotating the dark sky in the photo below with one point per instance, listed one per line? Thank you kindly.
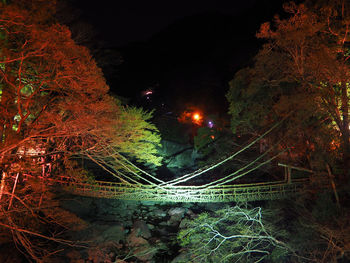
(123, 21)
(187, 51)
(129, 21)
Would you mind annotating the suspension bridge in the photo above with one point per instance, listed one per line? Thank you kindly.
(139, 185)
(286, 188)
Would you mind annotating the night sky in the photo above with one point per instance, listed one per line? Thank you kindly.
(185, 51)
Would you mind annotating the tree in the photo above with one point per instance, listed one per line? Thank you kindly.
(321, 231)
(54, 105)
(303, 72)
(233, 234)
(142, 136)
(52, 91)
(53, 94)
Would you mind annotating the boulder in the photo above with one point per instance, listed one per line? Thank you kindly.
(159, 213)
(141, 229)
(190, 213)
(176, 214)
(142, 250)
(184, 224)
(106, 233)
(177, 211)
(183, 257)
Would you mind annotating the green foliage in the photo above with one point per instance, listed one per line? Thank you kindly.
(204, 137)
(233, 234)
(137, 137)
(277, 255)
(246, 89)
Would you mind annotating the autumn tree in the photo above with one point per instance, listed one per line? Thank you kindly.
(301, 72)
(54, 104)
(53, 94)
(52, 91)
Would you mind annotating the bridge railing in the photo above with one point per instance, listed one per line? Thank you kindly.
(222, 193)
(241, 192)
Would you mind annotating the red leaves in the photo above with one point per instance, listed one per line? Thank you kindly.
(66, 94)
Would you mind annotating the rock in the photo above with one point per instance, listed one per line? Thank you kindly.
(134, 241)
(150, 226)
(142, 249)
(177, 211)
(141, 229)
(183, 257)
(174, 220)
(163, 223)
(145, 253)
(184, 224)
(158, 213)
(176, 214)
(163, 231)
(190, 213)
(114, 233)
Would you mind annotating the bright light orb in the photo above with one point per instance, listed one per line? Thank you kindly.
(197, 118)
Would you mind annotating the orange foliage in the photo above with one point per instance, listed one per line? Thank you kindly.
(52, 89)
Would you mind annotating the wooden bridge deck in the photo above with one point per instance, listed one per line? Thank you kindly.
(226, 193)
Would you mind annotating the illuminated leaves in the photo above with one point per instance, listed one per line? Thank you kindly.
(301, 72)
(232, 234)
(53, 91)
(136, 136)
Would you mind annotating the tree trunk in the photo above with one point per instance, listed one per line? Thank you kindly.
(1, 133)
(345, 130)
(2, 185)
(13, 191)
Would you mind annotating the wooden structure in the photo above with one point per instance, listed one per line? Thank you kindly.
(176, 193)
(225, 193)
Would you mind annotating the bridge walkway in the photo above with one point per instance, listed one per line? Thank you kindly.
(225, 193)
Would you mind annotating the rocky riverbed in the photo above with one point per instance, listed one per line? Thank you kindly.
(130, 231)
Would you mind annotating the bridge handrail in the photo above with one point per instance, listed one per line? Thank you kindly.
(179, 188)
(222, 193)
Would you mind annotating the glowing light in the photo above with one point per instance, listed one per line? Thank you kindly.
(147, 94)
(210, 124)
(197, 118)
(194, 116)
(212, 137)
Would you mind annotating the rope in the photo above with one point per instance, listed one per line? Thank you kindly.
(187, 177)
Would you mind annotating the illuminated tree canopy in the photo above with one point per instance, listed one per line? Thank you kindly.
(54, 97)
(54, 105)
(301, 72)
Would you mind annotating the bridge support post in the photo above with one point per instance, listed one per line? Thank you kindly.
(288, 174)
